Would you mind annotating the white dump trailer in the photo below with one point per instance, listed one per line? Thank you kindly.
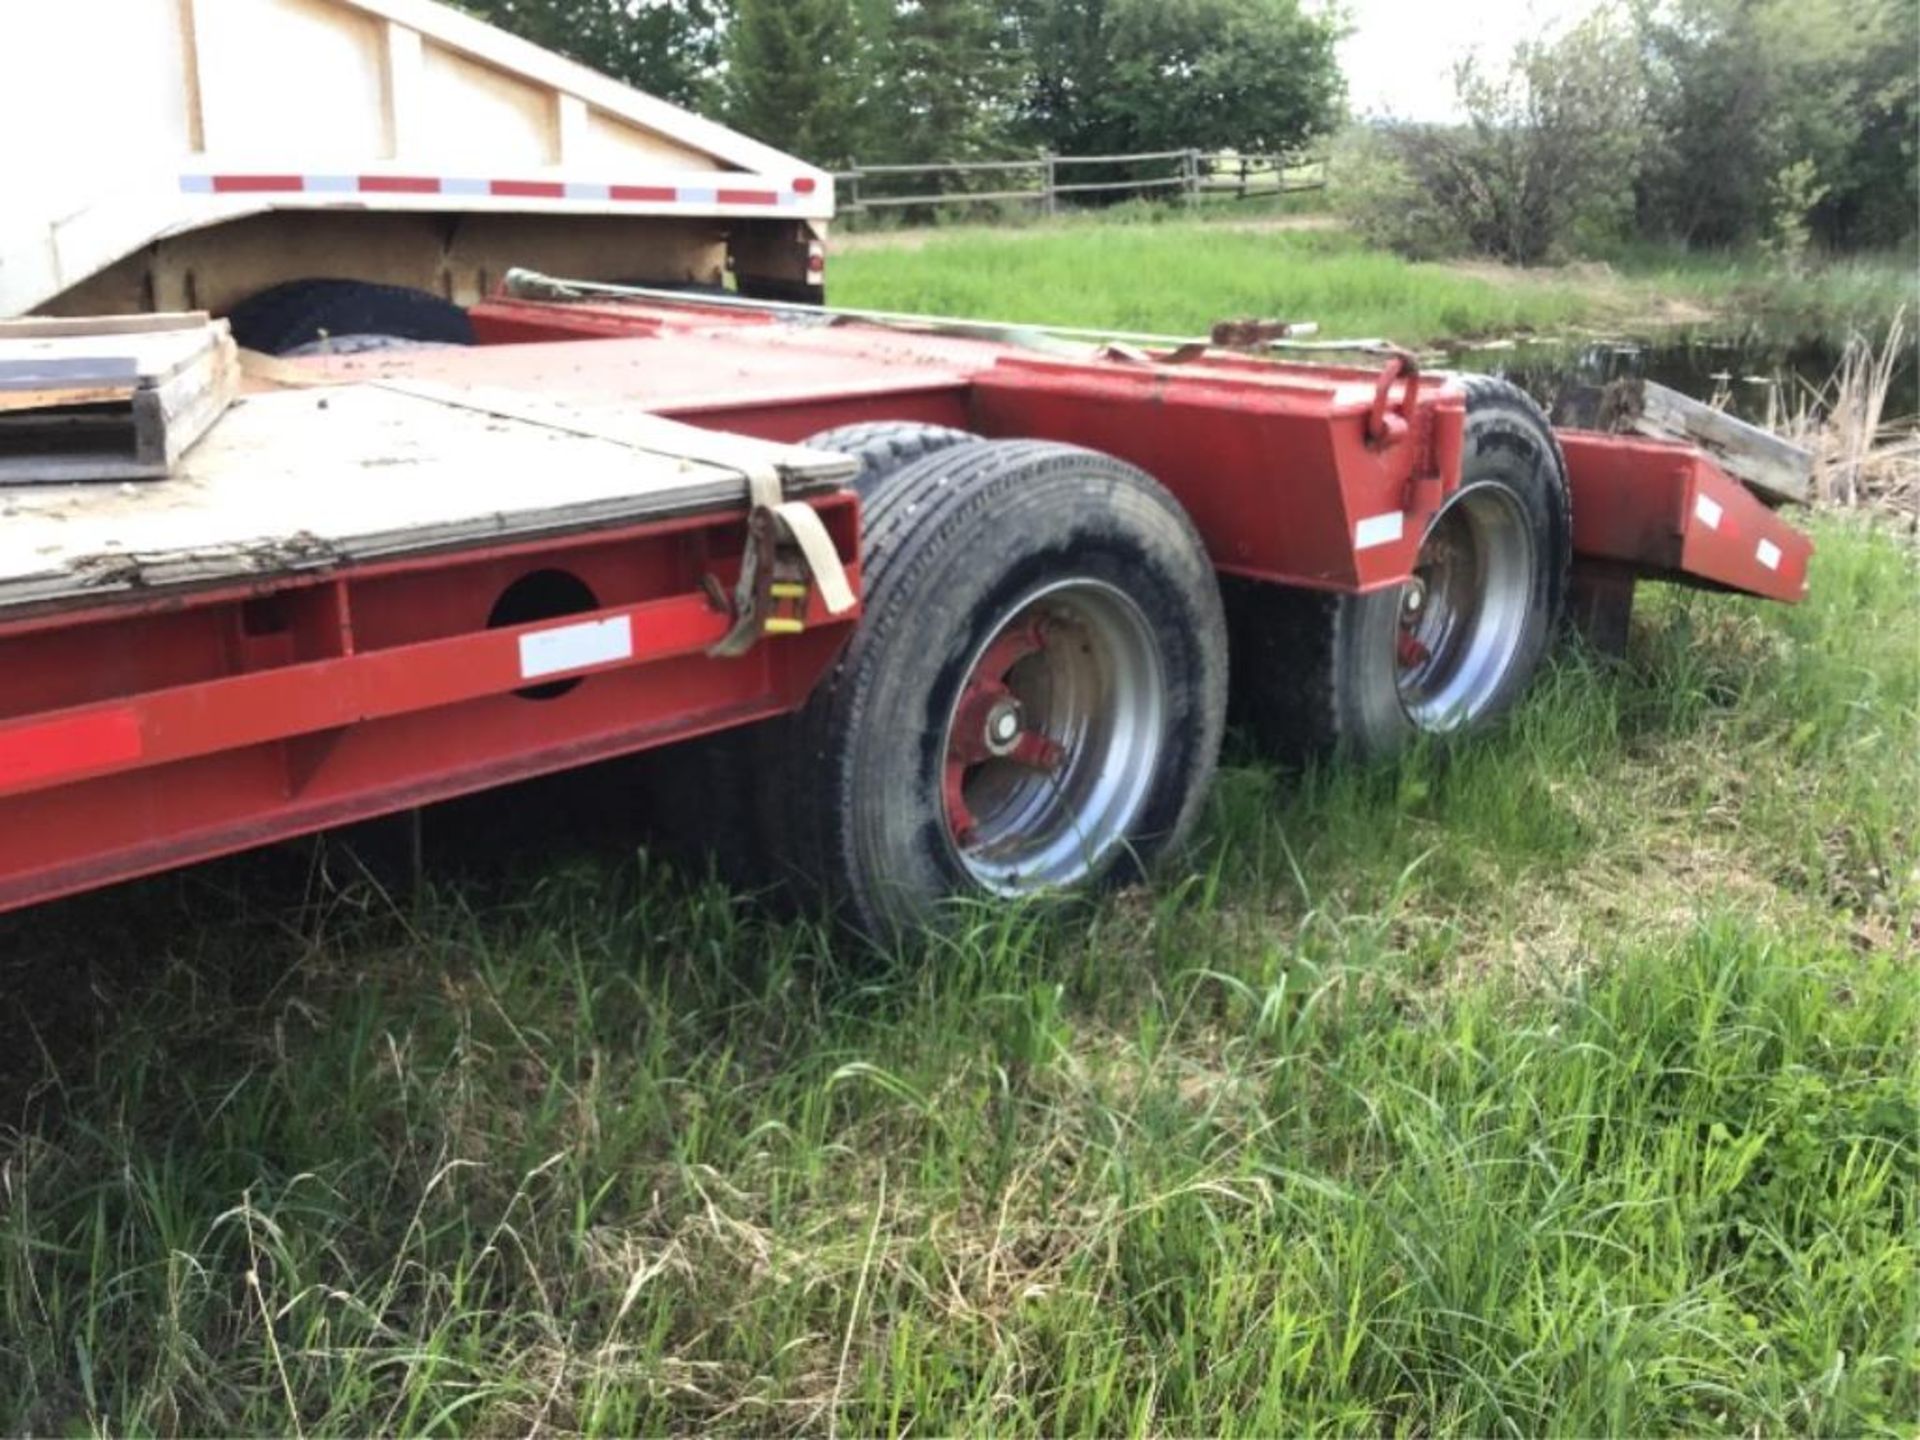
(210, 154)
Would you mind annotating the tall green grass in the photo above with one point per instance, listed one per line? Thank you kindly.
(1178, 276)
(1563, 1083)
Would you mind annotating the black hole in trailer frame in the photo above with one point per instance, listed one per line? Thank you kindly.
(543, 595)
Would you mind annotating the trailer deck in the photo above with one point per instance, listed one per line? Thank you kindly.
(318, 479)
(1245, 443)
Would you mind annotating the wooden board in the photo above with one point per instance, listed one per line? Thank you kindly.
(1775, 469)
(50, 327)
(296, 481)
(109, 399)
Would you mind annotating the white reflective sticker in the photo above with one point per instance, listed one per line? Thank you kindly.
(1708, 512)
(1768, 554)
(574, 647)
(1379, 530)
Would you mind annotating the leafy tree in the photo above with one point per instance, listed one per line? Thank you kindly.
(669, 48)
(1772, 117)
(1129, 75)
(949, 88)
(799, 75)
(1545, 162)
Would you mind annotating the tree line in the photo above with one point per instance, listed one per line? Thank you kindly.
(1785, 123)
(904, 81)
(1788, 124)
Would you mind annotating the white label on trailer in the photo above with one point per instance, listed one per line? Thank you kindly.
(1379, 530)
(574, 647)
(1768, 554)
(1707, 510)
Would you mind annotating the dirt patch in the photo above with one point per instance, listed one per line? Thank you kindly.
(1628, 304)
(1274, 224)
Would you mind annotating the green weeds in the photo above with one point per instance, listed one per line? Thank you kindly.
(1169, 275)
(1561, 1083)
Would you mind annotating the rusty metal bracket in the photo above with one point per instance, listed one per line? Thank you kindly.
(1247, 334)
(753, 594)
(1251, 333)
(1385, 429)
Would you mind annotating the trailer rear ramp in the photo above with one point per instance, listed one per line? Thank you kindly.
(305, 480)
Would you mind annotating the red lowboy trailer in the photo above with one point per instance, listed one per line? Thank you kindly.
(472, 565)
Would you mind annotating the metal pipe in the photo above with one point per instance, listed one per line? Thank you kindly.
(524, 284)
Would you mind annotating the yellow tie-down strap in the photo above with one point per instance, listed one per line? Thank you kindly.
(775, 518)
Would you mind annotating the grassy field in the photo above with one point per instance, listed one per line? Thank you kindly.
(1563, 1082)
(1178, 276)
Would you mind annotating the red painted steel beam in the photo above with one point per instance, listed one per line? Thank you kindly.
(1668, 512)
(155, 732)
(1273, 465)
(188, 721)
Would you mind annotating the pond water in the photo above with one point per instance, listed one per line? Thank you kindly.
(1752, 376)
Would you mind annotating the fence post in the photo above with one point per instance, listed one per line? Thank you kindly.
(1192, 176)
(1049, 201)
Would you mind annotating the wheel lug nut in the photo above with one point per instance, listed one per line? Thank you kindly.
(1001, 727)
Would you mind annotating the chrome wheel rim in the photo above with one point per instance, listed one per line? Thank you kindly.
(1054, 738)
(1464, 614)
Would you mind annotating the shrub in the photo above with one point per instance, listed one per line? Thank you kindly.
(1547, 155)
(1373, 189)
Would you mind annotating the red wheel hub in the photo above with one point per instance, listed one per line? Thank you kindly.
(991, 725)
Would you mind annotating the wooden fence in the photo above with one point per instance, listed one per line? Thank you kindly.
(1048, 179)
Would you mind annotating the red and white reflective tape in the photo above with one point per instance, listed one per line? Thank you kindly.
(460, 188)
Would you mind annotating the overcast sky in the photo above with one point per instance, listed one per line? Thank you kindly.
(1401, 54)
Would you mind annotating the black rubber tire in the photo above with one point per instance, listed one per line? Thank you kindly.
(332, 344)
(717, 800)
(1316, 674)
(297, 313)
(885, 446)
(950, 543)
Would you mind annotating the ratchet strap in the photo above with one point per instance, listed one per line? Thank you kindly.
(768, 580)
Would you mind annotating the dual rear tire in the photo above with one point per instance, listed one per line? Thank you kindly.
(1447, 653)
(345, 317)
(1035, 697)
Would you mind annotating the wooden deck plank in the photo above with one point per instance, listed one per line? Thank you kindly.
(1775, 469)
(301, 480)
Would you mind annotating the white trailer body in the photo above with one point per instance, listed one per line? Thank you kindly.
(187, 154)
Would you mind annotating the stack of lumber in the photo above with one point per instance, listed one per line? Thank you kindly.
(116, 398)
